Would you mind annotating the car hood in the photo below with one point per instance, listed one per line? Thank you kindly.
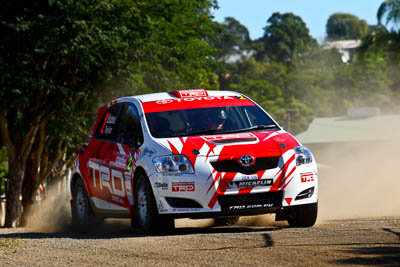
(231, 146)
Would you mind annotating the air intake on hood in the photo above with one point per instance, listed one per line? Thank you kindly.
(237, 140)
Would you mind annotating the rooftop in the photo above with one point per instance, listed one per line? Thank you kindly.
(351, 129)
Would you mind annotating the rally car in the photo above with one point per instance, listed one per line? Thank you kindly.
(191, 154)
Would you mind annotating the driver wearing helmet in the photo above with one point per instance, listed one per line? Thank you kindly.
(218, 119)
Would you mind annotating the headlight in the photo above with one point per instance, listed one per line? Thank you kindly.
(173, 164)
(303, 155)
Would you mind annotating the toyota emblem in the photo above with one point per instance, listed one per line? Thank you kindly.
(246, 160)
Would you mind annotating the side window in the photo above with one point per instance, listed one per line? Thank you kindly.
(107, 126)
(130, 132)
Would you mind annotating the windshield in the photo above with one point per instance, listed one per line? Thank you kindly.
(212, 120)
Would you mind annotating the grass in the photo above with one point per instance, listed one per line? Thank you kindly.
(10, 242)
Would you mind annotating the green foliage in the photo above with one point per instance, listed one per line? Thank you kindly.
(343, 26)
(265, 84)
(390, 9)
(10, 243)
(61, 59)
(232, 37)
(329, 87)
(287, 38)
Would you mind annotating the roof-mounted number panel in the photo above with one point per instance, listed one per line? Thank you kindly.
(189, 93)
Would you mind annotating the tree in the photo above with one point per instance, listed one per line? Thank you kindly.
(343, 26)
(287, 38)
(59, 58)
(390, 9)
(232, 38)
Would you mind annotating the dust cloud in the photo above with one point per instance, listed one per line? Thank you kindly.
(359, 180)
(356, 180)
(198, 223)
(52, 213)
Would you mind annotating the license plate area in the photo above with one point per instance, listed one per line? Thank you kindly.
(251, 201)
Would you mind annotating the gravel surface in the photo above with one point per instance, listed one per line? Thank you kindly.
(363, 242)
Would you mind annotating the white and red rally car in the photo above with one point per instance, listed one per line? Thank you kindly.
(194, 154)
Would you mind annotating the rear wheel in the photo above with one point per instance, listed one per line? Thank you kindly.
(303, 215)
(82, 214)
(147, 219)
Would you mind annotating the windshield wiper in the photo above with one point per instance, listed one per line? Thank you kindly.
(214, 131)
(252, 128)
(202, 132)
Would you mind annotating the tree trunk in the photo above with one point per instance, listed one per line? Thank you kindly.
(31, 181)
(38, 169)
(13, 203)
(29, 189)
(18, 153)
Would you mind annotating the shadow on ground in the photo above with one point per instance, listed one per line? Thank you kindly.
(116, 229)
(385, 255)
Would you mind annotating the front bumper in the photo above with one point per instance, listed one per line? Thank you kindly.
(209, 193)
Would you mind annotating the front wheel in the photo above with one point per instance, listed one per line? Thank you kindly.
(147, 219)
(303, 215)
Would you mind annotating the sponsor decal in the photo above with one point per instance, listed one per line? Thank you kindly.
(107, 130)
(120, 161)
(185, 209)
(163, 186)
(307, 177)
(212, 138)
(190, 93)
(250, 177)
(194, 102)
(190, 99)
(111, 119)
(251, 206)
(149, 151)
(111, 179)
(249, 183)
(183, 187)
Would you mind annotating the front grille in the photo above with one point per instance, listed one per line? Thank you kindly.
(233, 165)
(176, 202)
(250, 201)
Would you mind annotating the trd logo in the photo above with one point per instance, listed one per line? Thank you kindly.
(183, 187)
(111, 179)
(308, 177)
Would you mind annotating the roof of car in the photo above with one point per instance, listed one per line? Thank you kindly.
(345, 129)
(165, 95)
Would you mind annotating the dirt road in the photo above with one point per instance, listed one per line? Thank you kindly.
(258, 241)
(350, 186)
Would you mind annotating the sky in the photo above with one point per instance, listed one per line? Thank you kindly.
(315, 13)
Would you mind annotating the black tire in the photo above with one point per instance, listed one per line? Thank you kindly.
(303, 215)
(83, 216)
(147, 219)
(225, 221)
